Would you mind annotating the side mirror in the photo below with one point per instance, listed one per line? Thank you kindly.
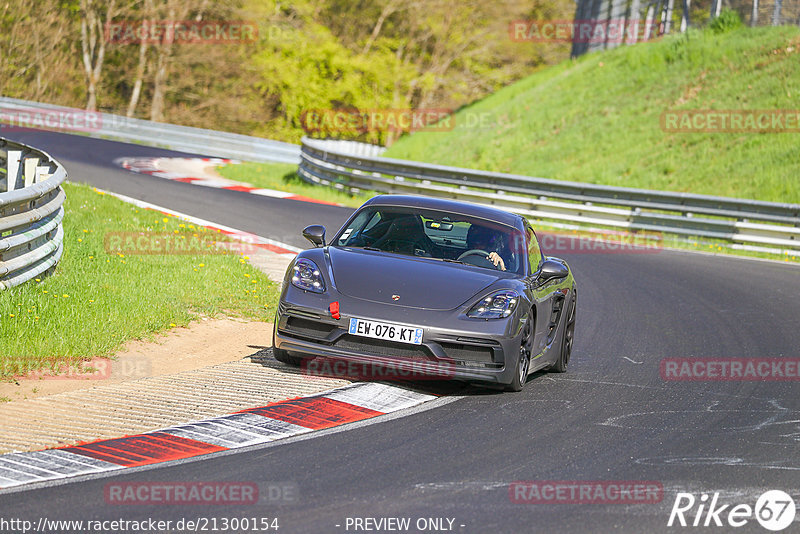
(316, 234)
(552, 269)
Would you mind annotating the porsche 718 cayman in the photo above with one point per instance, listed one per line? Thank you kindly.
(463, 289)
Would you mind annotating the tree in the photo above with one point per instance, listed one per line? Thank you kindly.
(37, 42)
(147, 13)
(93, 43)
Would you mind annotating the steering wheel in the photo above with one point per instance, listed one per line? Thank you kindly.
(483, 260)
(473, 252)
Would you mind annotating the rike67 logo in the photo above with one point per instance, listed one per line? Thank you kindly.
(774, 510)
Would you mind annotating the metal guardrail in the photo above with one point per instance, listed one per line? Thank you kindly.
(352, 148)
(740, 221)
(31, 210)
(182, 138)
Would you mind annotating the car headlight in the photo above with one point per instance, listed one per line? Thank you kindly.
(306, 276)
(497, 305)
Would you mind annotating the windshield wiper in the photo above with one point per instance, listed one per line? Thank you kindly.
(455, 261)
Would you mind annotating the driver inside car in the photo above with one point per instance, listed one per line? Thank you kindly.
(482, 238)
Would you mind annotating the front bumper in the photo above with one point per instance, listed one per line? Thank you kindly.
(462, 349)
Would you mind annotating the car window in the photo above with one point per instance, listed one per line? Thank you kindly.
(373, 221)
(455, 235)
(534, 251)
(363, 222)
(434, 234)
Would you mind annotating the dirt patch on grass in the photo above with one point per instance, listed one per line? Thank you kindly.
(203, 343)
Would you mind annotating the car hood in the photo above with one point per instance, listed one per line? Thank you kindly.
(419, 283)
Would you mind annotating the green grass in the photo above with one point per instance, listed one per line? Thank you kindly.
(283, 177)
(597, 119)
(95, 301)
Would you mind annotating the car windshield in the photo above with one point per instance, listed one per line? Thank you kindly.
(438, 235)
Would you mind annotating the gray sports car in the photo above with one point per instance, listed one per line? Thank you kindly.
(454, 289)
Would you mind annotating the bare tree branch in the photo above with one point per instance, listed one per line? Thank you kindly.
(93, 45)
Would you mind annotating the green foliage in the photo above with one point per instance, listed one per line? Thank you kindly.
(311, 70)
(310, 55)
(728, 20)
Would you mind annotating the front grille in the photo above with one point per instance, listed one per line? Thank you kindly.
(378, 347)
(308, 329)
(300, 313)
(308, 326)
(470, 353)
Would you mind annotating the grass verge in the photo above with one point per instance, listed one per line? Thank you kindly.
(598, 119)
(95, 300)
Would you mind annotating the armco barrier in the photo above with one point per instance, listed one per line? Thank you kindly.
(31, 210)
(747, 223)
(183, 138)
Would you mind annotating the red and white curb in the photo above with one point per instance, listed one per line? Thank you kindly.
(240, 235)
(195, 171)
(252, 426)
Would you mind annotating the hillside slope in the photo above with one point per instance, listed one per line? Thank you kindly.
(598, 119)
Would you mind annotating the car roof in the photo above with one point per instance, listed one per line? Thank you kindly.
(453, 206)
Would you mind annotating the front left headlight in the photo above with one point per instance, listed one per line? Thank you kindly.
(306, 276)
(497, 305)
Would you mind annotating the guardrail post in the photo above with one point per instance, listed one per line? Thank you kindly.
(30, 171)
(14, 174)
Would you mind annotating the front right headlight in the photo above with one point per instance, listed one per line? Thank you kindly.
(307, 276)
(497, 305)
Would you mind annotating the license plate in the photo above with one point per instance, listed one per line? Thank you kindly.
(387, 331)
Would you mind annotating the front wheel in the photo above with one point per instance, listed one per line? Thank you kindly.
(524, 359)
(567, 337)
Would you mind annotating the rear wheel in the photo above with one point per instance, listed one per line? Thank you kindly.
(567, 337)
(524, 359)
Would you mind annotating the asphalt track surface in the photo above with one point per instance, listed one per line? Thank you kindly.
(611, 417)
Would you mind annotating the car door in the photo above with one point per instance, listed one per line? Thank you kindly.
(546, 298)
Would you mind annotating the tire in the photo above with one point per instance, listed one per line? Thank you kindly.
(284, 357)
(567, 337)
(523, 361)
